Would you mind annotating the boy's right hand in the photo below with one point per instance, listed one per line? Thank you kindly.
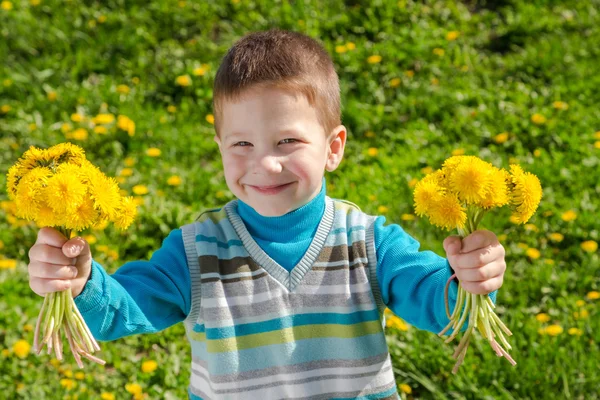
(56, 264)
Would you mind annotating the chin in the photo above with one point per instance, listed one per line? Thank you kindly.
(270, 212)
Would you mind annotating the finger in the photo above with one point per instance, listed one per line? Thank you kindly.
(77, 246)
(48, 254)
(51, 237)
(43, 270)
(489, 271)
(478, 240)
(483, 287)
(477, 258)
(44, 286)
(452, 245)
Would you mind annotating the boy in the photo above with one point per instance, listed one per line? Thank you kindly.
(282, 289)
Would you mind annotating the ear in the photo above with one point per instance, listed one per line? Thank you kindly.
(336, 143)
(217, 140)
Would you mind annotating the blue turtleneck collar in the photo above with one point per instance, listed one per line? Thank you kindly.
(294, 226)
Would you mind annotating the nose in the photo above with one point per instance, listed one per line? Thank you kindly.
(270, 163)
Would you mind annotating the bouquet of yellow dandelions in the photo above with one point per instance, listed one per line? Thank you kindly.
(58, 187)
(458, 196)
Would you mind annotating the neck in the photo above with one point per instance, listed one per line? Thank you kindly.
(294, 226)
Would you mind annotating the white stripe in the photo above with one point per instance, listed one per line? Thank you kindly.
(291, 376)
(338, 263)
(231, 276)
(289, 390)
(276, 294)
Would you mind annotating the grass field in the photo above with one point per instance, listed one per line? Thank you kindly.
(508, 81)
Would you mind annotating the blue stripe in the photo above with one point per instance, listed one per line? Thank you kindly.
(192, 396)
(340, 230)
(212, 239)
(375, 396)
(288, 321)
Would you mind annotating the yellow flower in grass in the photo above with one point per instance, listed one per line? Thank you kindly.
(21, 348)
(133, 388)
(200, 71)
(554, 330)
(8, 264)
(79, 375)
(107, 396)
(123, 89)
(589, 246)
(149, 366)
(126, 213)
(104, 192)
(140, 190)
(126, 124)
(581, 314)
(68, 383)
(439, 52)
(575, 332)
(501, 137)
(103, 119)
(79, 134)
(183, 80)
(448, 213)
(210, 119)
(569, 216)
(560, 105)
(374, 59)
(404, 388)
(395, 82)
(372, 151)
(533, 253)
(76, 117)
(393, 321)
(174, 180)
(471, 178)
(427, 193)
(153, 152)
(6, 5)
(538, 119)
(556, 237)
(452, 35)
(593, 295)
(580, 303)
(100, 130)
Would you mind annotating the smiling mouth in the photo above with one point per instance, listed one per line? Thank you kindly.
(271, 189)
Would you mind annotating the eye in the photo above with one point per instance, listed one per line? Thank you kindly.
(240, 145)
(289, 139)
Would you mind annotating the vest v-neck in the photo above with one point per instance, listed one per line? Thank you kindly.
(289, 280)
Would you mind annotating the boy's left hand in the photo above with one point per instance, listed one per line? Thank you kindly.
(477, 260)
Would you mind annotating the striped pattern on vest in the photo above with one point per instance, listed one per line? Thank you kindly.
(258, 331)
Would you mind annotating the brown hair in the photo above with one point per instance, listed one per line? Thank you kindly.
(280, 59)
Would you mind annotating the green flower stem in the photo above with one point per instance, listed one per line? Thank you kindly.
(59, 311)
(480, 309)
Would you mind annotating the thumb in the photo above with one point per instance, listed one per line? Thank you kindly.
(77, 247)
(452, 245)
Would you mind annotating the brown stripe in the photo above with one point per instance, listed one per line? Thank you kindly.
(343, 252)
(232, 280)
(357, 265)
(212, 264)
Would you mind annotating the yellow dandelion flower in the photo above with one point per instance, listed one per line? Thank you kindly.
(200, 71)
(409, 73)
(471, 180)
(107, 396)
(133, 388)
(560, 105)
(126, 172)
(501, 137)
(129, 162)
(183, 80)
(523, 246)
(104, 192)
(497, 194)
(569, 216)
(439, 52)
(8, 264)
(395, 82)
(404, 388)
(590, 246)
(448, 213)
(64, 192)
(68, 383)
(580, 303)
(29, 192)
(350, 46)
(174, 180)
(172, 109)
(382, 209)
(140, 190)
(452, 35)
(372, 151)
(533, 253)
(123, 89)
(427, 170)
(341, 48)
(126, 213)
(124, 123)
(554, 330)
(393, 321)
(149, 366)
(79, 134)
(47, 216)
(6, 5)
(575, 332)
(76, 117)
(593, 295)
(103, 119)
(5, 108)
(83, 216)
(374, 59)
(581, 314)
(100, 130)
(597, 144)
(153, 152)
(525, 193)
(538, 119)
(556, 237)
(210, 119)
(407, 217)
(51, 96)
(427, 193)
(21, 348)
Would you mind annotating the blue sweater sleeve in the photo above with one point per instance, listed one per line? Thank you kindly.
(412, 282)
(141, 296)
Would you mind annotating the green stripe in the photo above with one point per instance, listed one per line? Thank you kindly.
(293, 334)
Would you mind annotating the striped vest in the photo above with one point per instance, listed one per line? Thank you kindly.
(258, 331)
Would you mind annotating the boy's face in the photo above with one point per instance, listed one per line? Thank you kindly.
(275, 151)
